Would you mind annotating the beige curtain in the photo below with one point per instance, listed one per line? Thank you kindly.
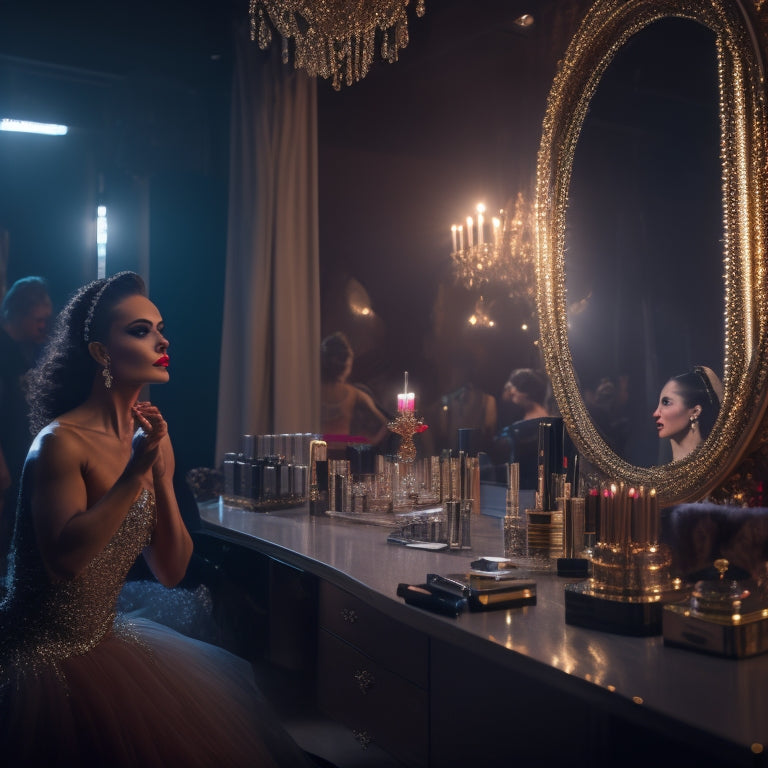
(269, 377)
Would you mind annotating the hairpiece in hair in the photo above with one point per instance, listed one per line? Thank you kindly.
(91, 311)
(94, 303)
(712, 396)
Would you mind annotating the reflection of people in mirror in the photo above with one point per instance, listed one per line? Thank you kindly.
(345, 408)
(518, 442)
(527, 389)
(687, 409)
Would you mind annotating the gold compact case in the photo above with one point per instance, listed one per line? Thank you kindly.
(724, 616)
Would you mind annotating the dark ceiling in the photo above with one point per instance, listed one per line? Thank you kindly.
(168, 38)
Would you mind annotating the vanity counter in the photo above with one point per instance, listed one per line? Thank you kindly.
(717, 705)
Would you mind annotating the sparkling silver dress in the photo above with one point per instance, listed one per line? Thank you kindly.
(81, 686)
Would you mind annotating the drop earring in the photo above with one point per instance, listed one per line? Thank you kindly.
(107, 373)
(693, 420)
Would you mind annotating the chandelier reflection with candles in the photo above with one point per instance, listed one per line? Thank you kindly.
(334, 39)
(500, 252)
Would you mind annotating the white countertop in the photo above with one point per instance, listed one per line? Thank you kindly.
(638, 678)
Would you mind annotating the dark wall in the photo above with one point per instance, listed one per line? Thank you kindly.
(411, 150)
(145, 91)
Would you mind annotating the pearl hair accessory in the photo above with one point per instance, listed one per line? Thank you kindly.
(95, 301)
(91, 310)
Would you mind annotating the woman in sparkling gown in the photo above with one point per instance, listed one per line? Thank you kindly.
(78, 685)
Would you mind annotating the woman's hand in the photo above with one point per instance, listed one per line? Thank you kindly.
(145, 446)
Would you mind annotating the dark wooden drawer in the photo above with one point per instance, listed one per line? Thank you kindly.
(375, 703)
(393, 645)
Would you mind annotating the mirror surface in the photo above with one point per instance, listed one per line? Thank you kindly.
(644, 233)
(673, 341)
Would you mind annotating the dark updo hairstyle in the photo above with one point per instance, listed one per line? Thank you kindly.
(63, 378)
(531, 383)
(696, 388)
(335, 351)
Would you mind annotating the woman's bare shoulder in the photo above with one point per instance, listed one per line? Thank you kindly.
(61, 435)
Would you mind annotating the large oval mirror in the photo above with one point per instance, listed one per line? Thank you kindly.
(723, 245)
(644, 230)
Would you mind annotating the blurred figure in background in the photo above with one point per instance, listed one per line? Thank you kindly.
(346, 410)
(527, 390)
(24, 319)
(466, 406)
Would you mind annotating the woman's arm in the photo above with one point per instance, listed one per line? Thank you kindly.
(69, 533)
(169, 552)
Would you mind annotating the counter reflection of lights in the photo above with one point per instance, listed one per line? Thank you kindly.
(101, 241)
(27, 126)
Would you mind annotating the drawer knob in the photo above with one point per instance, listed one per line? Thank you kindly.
(364, 679)
(349, 615)
(363, 738)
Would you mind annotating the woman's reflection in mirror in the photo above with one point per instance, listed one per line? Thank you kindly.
(526, 391)
(346, 410)
(687, 409)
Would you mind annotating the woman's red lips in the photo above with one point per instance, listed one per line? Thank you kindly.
(163, 361)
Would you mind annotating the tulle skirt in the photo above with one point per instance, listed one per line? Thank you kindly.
(156, 699)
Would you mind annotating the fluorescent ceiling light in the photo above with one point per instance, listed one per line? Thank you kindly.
(27, 126)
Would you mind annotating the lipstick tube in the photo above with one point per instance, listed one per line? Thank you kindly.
(318, 478)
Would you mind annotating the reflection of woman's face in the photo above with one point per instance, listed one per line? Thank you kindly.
(672, 415)
(514, 395)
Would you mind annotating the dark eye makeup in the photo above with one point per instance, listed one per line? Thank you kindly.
(142, 327)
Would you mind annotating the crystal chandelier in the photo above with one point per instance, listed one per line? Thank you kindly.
(334, 39)
(502, 253)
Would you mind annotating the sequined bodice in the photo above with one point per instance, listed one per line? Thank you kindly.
(43, 620)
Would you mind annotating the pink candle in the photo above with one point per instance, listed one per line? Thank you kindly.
(406, 400)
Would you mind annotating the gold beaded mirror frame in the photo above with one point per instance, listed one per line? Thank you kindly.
(729, 461)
